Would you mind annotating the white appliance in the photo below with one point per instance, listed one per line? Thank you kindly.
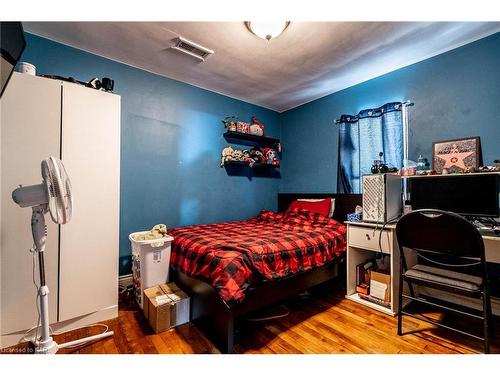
(382, 199)
(80, 126)
(52, 195)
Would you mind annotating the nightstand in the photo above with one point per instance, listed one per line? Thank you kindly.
(364, 241)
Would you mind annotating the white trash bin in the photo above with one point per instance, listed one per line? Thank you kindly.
(150, 265)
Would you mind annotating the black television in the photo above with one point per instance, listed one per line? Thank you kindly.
(12, 44)
(467, 195)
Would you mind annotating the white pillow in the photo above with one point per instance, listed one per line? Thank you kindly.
(332, 206)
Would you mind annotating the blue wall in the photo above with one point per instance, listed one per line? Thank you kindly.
(456, 94)
(171, 134)
(171, 138)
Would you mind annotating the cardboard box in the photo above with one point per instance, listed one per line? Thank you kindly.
(148, 295)
(165, 307)
(158, 314)
(380, 286)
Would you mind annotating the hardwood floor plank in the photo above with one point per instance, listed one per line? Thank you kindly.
(198, 342)
(110, 347)
(324, 323)
(160, 345)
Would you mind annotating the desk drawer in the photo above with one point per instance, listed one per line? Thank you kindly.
(368, 238)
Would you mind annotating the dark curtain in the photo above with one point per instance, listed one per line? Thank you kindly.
(362, 137)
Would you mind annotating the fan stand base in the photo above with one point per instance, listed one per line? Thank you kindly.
(48, 346)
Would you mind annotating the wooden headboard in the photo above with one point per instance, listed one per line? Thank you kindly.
(344, 203)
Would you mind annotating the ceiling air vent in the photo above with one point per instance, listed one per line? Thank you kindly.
(192, 49)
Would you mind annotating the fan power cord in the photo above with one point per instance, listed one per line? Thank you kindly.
(106, 329)
(35, 339)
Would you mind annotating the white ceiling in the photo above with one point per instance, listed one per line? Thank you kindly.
(308, 61)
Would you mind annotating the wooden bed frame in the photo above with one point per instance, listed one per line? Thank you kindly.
(216, 318)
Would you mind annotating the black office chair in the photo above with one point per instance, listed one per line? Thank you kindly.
(450, 257)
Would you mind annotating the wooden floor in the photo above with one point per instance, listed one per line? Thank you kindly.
(322, 323)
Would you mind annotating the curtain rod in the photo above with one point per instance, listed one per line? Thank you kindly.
(407, 103)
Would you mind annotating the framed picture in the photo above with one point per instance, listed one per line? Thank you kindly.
(456, 155)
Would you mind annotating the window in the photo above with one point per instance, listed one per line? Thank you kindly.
(363, 136)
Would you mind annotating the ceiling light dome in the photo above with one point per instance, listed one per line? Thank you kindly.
(267, 30)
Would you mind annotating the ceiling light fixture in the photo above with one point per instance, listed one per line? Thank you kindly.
(267, 30)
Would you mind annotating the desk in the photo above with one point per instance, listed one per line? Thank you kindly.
(363, 244)
(492, 248)
(492, 254)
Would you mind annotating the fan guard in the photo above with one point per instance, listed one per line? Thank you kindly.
(58, 187)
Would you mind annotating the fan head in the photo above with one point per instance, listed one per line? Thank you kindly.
(58, 185)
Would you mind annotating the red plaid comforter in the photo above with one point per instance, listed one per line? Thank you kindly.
(234, 255)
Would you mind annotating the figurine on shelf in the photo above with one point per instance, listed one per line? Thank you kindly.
(230, 123)
(257, 128)
(270, 156)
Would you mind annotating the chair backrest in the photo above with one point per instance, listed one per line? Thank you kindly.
(438, 234)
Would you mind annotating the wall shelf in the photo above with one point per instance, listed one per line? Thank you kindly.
(259, 142)
(255, 165)
(269, 141)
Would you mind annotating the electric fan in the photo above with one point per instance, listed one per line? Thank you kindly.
(53, 195)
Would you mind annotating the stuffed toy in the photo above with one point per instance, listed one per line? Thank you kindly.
(230, 123)
(247, 158)
(257, 155)
(227, 155)
(243, 127)
(256, 128)
(238, 155)
(270, 156)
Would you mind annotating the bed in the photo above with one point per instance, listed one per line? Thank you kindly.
(231, 269)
